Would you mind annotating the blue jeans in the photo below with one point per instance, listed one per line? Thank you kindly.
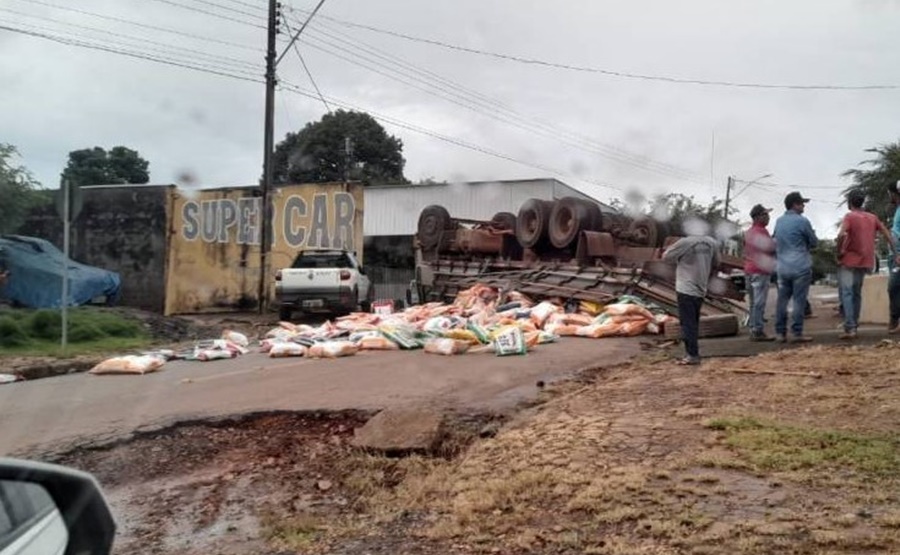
(792, 287)
(894, 295)
(850, 282)
(689, 318)
(759, 293)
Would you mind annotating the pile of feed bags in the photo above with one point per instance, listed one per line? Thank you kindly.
(475, 322)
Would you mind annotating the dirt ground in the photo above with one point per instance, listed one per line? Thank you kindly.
(646, 457)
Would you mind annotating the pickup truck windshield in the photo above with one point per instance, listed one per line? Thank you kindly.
(322, 260)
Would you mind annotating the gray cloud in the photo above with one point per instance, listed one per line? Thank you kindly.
(58, 98)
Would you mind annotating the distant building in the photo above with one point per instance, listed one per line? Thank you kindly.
(132, 230)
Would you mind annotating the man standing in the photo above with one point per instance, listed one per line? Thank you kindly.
(894, 263)
(856, 256)
(696, 258)
(759, 263)
(794, 238)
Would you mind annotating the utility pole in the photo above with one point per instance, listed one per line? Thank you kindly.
(265, 210)
(728, 196)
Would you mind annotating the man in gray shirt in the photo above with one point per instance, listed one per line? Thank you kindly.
(696, 258)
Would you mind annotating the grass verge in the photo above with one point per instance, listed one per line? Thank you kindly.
(91, 330)
(776, 447)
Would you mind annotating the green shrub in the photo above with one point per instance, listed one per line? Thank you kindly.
(11, 333)
(46, 324)
(80, 331)
(117, 326)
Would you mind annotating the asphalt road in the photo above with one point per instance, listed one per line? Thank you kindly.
(54, 414)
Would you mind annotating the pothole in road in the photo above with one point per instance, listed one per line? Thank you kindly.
(223, 486)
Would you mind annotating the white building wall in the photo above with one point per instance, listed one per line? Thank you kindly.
(395, 210)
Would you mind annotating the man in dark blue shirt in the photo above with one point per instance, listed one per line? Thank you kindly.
(794, 238)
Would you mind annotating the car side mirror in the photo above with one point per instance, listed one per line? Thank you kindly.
(53, 509)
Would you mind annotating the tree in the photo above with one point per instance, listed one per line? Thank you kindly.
(96, 166)
(873, 177)
(17, 189)
(678, 207)
(824, 259)
(316, 153)
(672, 207)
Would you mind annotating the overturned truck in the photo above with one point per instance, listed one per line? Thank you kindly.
(571, 250)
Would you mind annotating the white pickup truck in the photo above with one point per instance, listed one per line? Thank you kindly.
(318, 281)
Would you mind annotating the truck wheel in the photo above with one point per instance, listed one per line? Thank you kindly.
(532, 222)
(285, 314)
(569, 217)
(645, 231)
(505, 221)
(365, 306)
(434, 221)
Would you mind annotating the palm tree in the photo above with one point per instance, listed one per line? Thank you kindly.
(874, 176)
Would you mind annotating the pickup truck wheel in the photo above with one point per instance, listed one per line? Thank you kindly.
(285, 314)
(365, 306)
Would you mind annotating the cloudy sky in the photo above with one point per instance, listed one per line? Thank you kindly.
(600, 133)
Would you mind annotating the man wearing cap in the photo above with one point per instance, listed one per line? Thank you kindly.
(856, 256)
(794, 238)
(894, 263)
(759, 263)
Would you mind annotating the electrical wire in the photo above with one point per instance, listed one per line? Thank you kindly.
(608, 72)
(190, 51)
(488, 111)
(227, 8)
(249, 5)
(445, 138)
(305, 67)
(212, 14)
(297, 90)
(445, 84)
(205, 68)
(300, 30)
(142, 25)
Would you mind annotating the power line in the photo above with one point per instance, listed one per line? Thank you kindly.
(227, 8)
(632, 158)
(608, 72)
(248, 4)
(212, 14)
(510, 117)
(142, 25)
(445, 138)
(133, 54)
(300, 30)
(772, 184)
(305, 67)
(193, 52)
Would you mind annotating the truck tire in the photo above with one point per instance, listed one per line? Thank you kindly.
(285, 314)
(645, 231)
(718, 325)
(434, 221)
(504, 220)
(533, 222)
(569, 217)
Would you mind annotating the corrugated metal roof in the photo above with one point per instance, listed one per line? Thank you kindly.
(394, 210)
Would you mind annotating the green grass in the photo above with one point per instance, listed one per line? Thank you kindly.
(91, 330)
(770, 446)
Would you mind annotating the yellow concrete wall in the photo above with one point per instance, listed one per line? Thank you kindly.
(874, 300)
(214, 257)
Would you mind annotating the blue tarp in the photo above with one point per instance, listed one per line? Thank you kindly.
(35, 275)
